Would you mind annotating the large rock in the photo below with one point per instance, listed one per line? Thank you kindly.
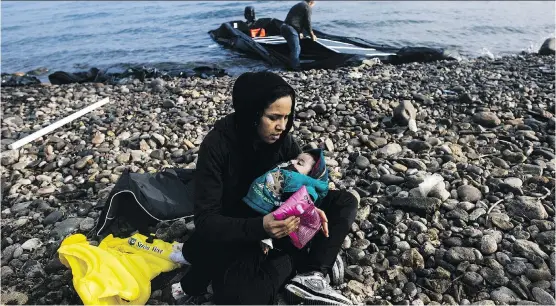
(391, 179)
(18, 207)
(412, 258)
(159, 139)
(362, 162)
(543, 297)
(356, 287)
(428, 205)
(501, 220)
(14, 298)
(469, 193)
(53, 217)
(6, 271)
(389, 150)
(487, 119)
(8, 253)
(157, 85)
(66, 227)
(488, 244)
(536, 275)
(548, 47)
(98, 138)
(419, 146)
(123, 158)
(82, 163)
(363, 213)
(9, 157)
(404, 112)
(527, 249)
(438, 285)
(31, 244)
(32, 269)
(472, 279)
(494, 277)
(528, 207)
(504, 295)
(516, 268)
(459, 254)
(413, 163)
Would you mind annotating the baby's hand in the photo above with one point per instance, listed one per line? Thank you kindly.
(265, 248)
(266, 245)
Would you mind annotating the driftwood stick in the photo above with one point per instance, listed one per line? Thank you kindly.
(27, 139)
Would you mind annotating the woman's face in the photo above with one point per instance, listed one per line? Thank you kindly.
(274, 120)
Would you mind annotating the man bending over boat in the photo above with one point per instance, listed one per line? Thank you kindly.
(297, 22)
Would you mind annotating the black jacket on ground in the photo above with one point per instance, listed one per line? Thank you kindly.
(230, 159)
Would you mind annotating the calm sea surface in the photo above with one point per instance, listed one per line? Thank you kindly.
(74, 36)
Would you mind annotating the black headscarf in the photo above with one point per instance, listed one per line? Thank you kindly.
(252, 93)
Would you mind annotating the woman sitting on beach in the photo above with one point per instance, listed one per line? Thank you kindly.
(225, 246)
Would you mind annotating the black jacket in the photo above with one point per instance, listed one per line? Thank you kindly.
(229, 161)
(299, 17)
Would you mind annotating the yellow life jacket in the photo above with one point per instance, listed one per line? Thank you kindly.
(117, 272)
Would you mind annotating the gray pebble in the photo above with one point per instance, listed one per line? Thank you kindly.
(543, 297)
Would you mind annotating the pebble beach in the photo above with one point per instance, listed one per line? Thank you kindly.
(453, 162)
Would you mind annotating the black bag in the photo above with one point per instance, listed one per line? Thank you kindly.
(145, 199)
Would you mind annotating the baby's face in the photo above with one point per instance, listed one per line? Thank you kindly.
(303, 163)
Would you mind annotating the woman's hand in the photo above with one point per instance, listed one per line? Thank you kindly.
(280, 228)
(324, 222)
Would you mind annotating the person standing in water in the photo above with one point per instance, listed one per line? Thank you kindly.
(298, 22)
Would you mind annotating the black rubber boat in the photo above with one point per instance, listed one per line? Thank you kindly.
(329, 51)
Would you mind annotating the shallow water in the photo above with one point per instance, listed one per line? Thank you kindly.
(74, 36)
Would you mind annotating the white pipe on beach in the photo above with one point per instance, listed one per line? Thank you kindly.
(25, 140)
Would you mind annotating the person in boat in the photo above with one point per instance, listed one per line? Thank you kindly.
(298, 22)
(225, 247)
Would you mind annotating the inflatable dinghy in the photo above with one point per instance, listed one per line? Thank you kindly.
(262, 39)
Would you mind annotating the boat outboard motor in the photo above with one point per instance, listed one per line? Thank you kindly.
(249, 14)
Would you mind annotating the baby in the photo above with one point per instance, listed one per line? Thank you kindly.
(270, 190)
